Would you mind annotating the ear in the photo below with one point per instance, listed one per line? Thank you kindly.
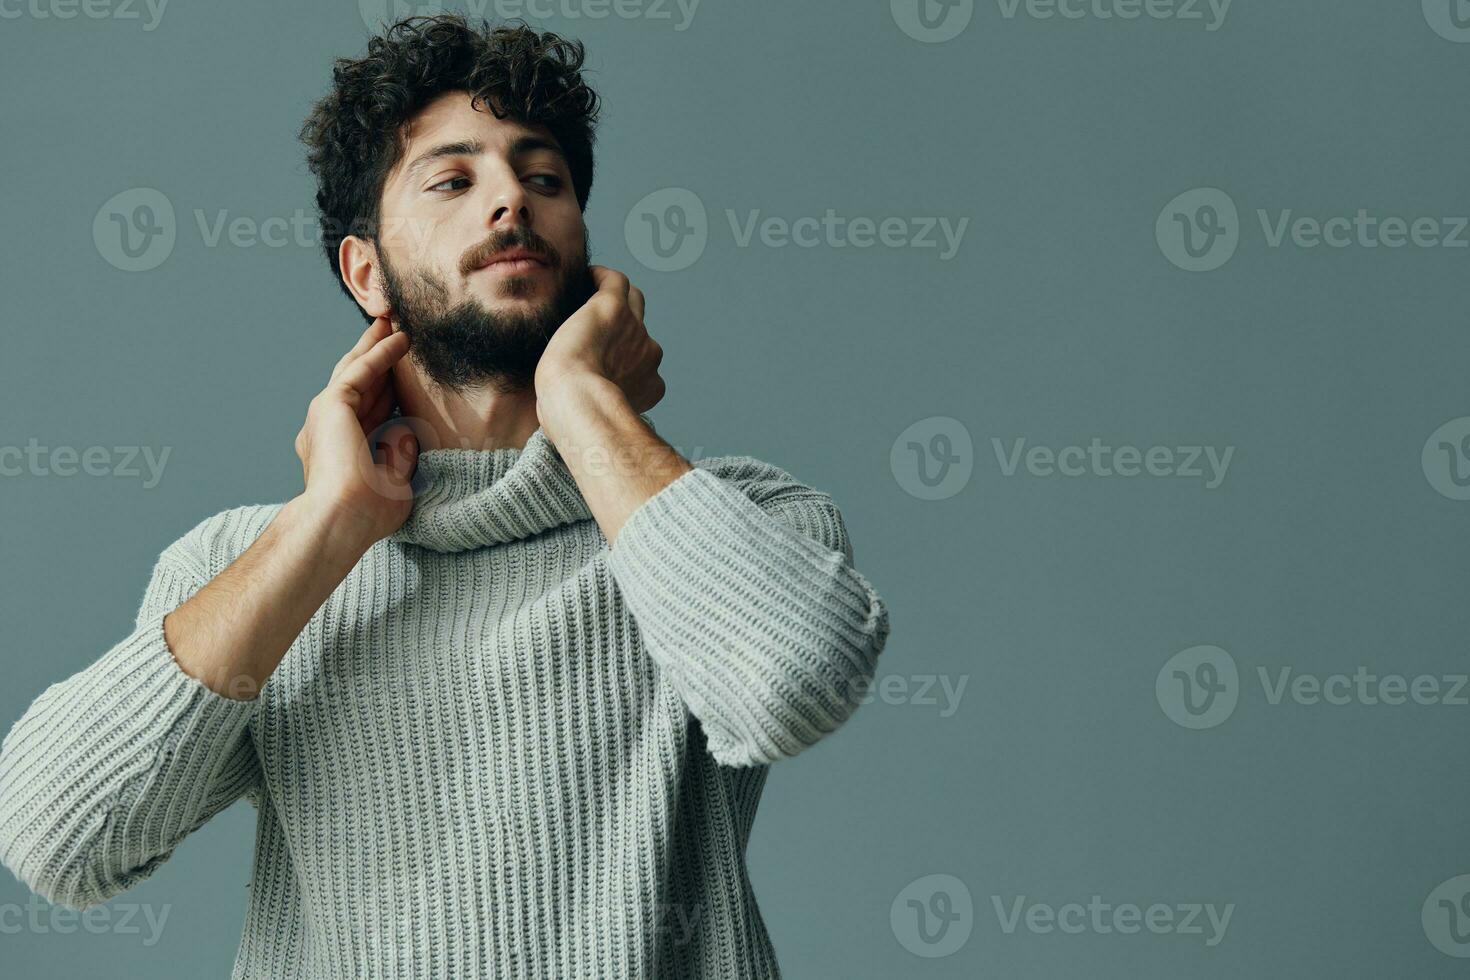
(358, 258)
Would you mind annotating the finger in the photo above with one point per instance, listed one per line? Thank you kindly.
(376, 401)
(361, 373)
(609, 279)
(380, 406)
(635, 302)
(375, 332)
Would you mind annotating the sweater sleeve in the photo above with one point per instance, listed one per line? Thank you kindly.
(754, 610)
(108, 770)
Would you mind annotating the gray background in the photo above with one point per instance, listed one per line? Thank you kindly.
(1059, 599)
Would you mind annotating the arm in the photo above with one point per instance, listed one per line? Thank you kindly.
(754, 610)
(619, 463)
(109, 770)
(233, 634)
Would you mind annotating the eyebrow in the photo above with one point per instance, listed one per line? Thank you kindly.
(521, 147)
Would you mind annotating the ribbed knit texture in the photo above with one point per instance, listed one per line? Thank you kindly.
(499, 749)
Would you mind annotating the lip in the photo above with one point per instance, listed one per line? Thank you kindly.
(515, 260)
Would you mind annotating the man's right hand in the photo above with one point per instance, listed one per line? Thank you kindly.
(345, 481)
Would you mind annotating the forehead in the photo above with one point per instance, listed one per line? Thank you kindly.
(449, 118)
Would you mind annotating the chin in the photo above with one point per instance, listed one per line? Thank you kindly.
(516, 292)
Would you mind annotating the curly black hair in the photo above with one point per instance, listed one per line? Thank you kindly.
(355, 135)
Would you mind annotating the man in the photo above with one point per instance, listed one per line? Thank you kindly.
(504, 683)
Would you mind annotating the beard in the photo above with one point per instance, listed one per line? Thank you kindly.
(466, 344)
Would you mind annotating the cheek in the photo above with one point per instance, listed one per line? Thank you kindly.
(564, 229)
(441, 257)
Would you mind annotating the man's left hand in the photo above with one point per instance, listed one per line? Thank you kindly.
(605, 339)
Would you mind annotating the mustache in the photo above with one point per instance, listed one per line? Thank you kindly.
(510, 238)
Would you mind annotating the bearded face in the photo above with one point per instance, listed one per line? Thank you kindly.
(471, 342)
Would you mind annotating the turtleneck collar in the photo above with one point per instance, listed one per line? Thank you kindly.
(473, 498)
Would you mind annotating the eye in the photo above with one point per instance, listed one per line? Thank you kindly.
(552, 181)
(447, 181)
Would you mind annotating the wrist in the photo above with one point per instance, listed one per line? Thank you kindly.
(331, 531)
(569, 392)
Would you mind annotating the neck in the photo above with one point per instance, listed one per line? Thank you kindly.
(478, 418)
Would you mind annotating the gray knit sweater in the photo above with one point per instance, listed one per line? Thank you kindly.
(499, 749)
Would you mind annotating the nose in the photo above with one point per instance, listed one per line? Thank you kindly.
(509, 203)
